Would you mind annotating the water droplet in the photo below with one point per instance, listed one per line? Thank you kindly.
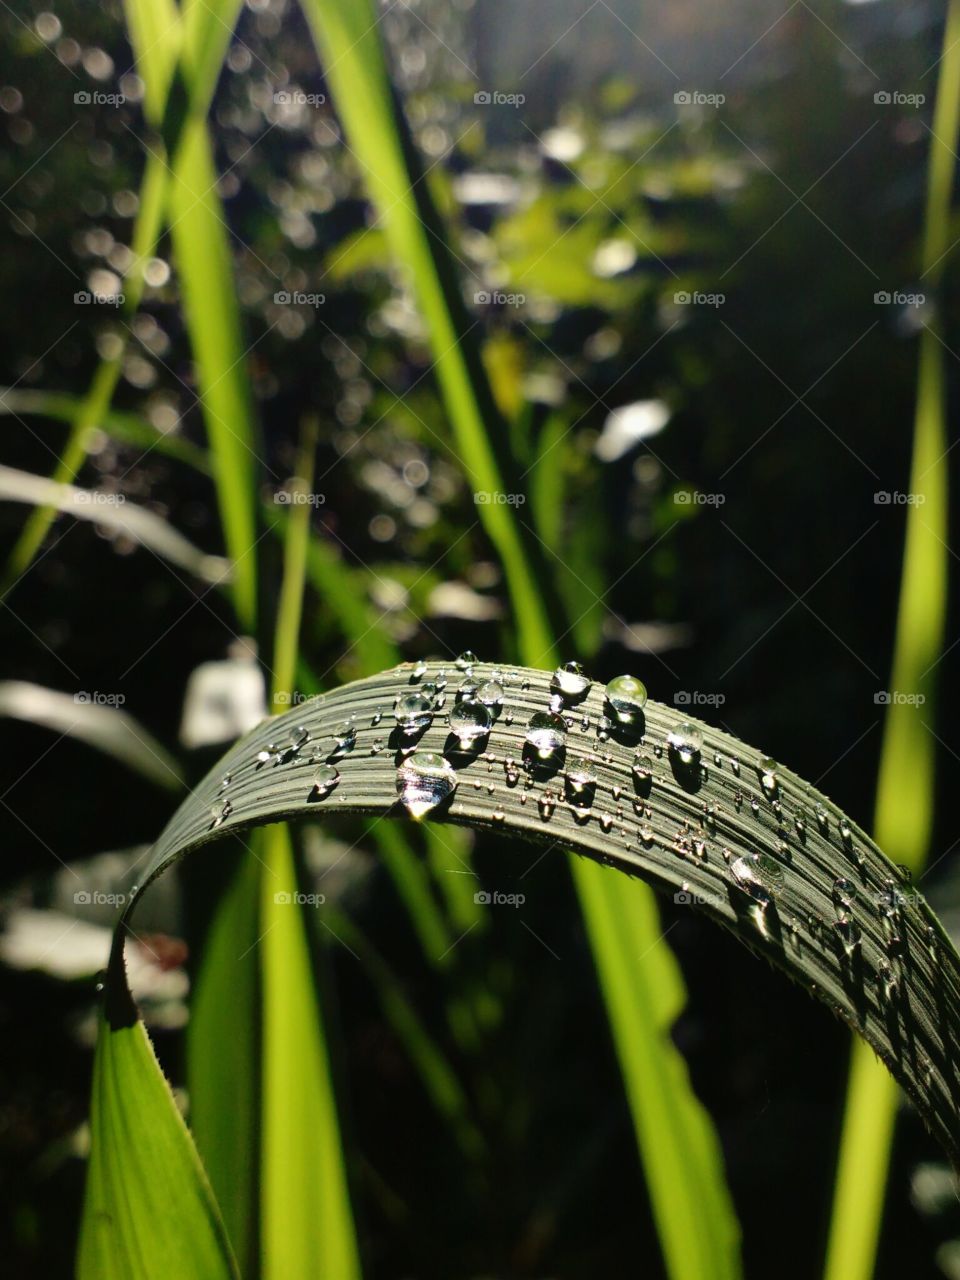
(686, 740)
(626, 696)
(845, 833)
(546, 733)
(490, 693)
(844, 891)
(757, 877)
(646, 835)
(570, 680)
(581, 782)
(219, 812)
(848, 931)
(469, 722)
(263, 757)
(466, 661)
(413, 711)
(424, 780)
(766, 764)
(300, 736)
(467, 689)
(545, 805)
(769, 784)
(325, 778)
(345, 734)
(226, 780)
(419, 670)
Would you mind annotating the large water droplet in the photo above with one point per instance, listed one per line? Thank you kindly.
(848, 931)
(413, 711)
(844, 891)
(490, 693)
(546, 733)
(469, 722)
(424, 780)
(570, 680)
(686, 740)
(325, 778)
(466, 661)
(626, 697)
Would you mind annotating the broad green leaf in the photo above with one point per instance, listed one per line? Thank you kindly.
(148, 1210)
(753, 846)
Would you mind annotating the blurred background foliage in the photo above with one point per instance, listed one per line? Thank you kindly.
(598, 200)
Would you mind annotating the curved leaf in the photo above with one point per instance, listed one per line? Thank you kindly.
(761, 852)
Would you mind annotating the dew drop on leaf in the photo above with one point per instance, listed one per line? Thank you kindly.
(424, 780)
(626, 696)
(686, 740)
(413, 711)
(546, 733)
(570, 680)
(469, 723)
(325, 778)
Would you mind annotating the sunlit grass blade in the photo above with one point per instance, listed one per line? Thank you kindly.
(224, 1088)
(355, 67)
(347, 35)
(681, 1156)
(148, 1211)
(909, 748)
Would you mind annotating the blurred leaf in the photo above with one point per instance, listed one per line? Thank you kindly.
(108, 728)
(113, 513)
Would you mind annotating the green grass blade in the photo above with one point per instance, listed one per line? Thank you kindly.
(205, 267)
(306, 1219)
(909, 747)
(148, 1210)
(349, 42)
(681, 1156)
(347, 35)
(224, 1088)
